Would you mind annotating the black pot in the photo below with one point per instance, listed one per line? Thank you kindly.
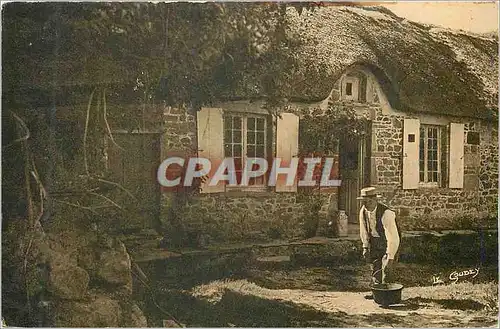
(386, 294)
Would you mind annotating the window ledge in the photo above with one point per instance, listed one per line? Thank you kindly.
(249, 192)
(429, 186)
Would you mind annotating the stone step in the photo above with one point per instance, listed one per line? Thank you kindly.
(273, 262)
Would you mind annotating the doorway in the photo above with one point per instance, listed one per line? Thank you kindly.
(134, 167)
(355, 164)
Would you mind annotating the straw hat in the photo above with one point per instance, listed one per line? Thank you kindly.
(368, 192)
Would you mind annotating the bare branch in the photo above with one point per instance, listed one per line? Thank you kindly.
(85, 133)
(105, 116)
(107, 199)
(76, 206)
(24, 126)
(117, 185)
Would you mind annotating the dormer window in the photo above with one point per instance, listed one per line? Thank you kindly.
(354, 87)
(348, 89)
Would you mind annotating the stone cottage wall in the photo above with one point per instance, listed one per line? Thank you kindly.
(267, 215)
(488, 164)
(438, 208)
(260, 216)
(202, 219)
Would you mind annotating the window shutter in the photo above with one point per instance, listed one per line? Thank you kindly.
(211, 143)
(456, 170)
(444, 156)
(411, 140)
(287, 146)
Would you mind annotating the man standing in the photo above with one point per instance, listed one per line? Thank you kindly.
(379, 233)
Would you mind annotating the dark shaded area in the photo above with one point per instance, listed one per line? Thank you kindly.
(238, 310)
(451, 249)
(186, 272)
(453, 304)
(170, 276)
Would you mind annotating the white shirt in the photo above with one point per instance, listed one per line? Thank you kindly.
(390, 229)
(372, 222)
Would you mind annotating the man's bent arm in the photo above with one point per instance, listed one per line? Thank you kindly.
(391, 233)
(363, 231)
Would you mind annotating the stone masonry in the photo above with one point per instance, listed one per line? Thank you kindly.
(442, 207)
(265, 215)
(236, 215)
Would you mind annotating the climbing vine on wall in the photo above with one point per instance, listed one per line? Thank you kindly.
(320, 130)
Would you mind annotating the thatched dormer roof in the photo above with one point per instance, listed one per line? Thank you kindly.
(421, 68)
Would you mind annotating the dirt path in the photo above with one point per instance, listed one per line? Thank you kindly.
(459, 305)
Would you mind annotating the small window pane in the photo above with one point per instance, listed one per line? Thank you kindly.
(251, 151)
(251, 137)
(422, 149)
(228, 136)
(237, 150)
(238, 164)
(260, 138)
(237, 137)
(348, 88)
(228, 150)
(473, 138)
(260, 124)
(228, 122)
(251, 124)
(260, 151)
(237, 123)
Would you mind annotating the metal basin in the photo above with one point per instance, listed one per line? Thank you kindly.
(386, 294)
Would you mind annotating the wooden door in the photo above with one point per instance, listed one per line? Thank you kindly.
(355, 170)
(349, 174)
(134, 166)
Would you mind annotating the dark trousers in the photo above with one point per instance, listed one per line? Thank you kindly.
(378, 247)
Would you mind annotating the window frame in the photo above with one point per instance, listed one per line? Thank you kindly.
(348, 88)
(355, 88)
(425, 183)
(244, 148)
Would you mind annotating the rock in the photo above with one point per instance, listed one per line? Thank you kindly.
(137, 318)
(132, 315)
(86, 259)
(65, 242)
(68, 281)
(170, 324)
(99, 311)
(115, 267)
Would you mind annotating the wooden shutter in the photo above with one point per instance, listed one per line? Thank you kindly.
(456, 168)
(411, 140)
(444, 156)
(210, 128)
(287, 146)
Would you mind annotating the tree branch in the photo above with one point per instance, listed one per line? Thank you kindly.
(106, 121)
(86, 132)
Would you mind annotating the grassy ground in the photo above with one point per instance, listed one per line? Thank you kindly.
(328, 292)
(458, 305)
(331, 297)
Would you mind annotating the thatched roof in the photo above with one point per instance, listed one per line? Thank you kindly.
(421, 68)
